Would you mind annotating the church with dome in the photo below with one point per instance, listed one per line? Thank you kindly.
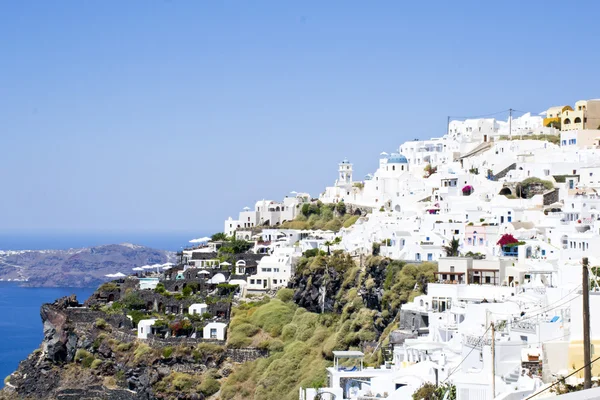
(391, 185)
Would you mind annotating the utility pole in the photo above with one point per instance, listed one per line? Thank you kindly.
(493, 359)
(510, 122)
(587, 347)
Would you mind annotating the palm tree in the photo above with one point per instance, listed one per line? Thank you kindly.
(328, 243)
(452, 248)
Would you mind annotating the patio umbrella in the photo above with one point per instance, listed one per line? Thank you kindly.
(138, 269)
(225, 263)
(246, 208)
(168, 264)
(200, 240)
(204, 272)
(119, 275)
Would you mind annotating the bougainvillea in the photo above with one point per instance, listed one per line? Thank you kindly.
(506, 239)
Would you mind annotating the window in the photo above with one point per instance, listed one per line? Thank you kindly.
(481, 241)
(452, 269)
(429, 257)
(456, 231)
(509, 219)
(213, 333)
(252, 281)
(543, 252)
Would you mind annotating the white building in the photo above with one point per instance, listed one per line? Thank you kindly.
(198, 309)
(145, 328)
(215, 330)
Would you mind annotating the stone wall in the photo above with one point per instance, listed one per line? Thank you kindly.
(246, 354)
(551, 197)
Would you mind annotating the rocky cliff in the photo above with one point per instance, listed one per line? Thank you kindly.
(89, 354)
(76, 267)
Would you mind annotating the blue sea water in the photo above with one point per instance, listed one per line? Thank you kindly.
(21, 326)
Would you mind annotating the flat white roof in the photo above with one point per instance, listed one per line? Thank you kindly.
(348, 354)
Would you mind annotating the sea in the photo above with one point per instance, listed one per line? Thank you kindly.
(21, 329)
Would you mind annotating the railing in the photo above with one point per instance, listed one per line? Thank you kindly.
(476, 341)
(426, 243)
(524, 326)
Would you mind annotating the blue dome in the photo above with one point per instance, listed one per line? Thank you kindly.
(396, 158)
(368, 177)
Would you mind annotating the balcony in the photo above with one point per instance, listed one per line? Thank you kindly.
(450, 278)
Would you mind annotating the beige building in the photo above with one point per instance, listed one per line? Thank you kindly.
(585, 115)
(553, 114)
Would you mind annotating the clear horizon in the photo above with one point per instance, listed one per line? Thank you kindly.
(172, 116)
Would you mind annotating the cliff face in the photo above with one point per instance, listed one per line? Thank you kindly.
(76, 267)
(89, 354)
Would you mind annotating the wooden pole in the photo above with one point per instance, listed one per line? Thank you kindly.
(493, 360)
(587, 346)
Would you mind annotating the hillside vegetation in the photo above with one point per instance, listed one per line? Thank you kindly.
(361, 312)
(331, 217)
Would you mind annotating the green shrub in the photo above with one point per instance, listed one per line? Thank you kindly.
(137, 316)
(123, 347)
(160, 288)
(96, 364)
(187, 291)
(209, 386)
(351, 221)
(285, 294)
(141, 351)
(108, 287)
(100, 323)
(273, 316)
(167, 352)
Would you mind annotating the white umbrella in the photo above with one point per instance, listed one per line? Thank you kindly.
(293, 192)
(225, 263)
(204, 272)
(168, 264)
(119, 275)
(138, 269)
(246, 208)
(166, 267)
(148, 267)
(200, 240)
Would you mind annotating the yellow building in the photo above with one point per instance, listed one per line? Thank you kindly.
(553, 114)
(586, 115)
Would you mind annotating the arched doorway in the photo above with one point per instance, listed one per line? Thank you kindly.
(357, 212)
(505, 191)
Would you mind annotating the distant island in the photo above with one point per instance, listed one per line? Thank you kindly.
(85, 267)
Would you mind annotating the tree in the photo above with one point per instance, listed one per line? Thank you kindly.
(218, 237)
(328, 243)
(340, 208)
(452, 248)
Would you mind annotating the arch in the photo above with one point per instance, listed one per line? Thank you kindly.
(357, 212)
(149, 306)
(161, 308)
(505, 191)
(111, 297)
(184, 285)
(567, 121)
(577, 120)
(277, 208)
(176, 288)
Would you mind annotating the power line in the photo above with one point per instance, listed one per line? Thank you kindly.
(468, 354)
(562, 379)
(479, 116)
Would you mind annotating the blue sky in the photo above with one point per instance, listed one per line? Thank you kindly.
(161, 116)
